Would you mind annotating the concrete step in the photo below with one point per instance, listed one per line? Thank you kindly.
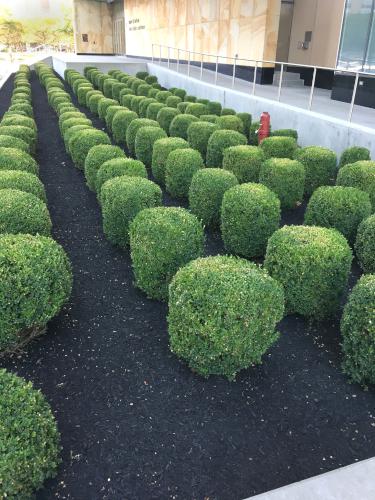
(289, 79)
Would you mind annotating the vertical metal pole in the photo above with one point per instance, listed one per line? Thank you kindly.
(234, 71)
(201, 66)
(255, 76)
(169, 57)
(160, 55)
(189, 55)
(152, 52)
(280, 82)
(178, 60)
(216, 68)
(353, 96)
(312, 89)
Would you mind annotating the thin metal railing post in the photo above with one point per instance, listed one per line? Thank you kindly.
(353, 97)
(201, 66)
(160, 55)
(255, 76)
(312, 89)
(189, 55)
(152, 52)
(234, 71)
(216, 68)
(169, 49)
(280, 82)
(178, 60)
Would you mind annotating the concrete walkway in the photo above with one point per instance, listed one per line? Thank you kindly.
(354, 482)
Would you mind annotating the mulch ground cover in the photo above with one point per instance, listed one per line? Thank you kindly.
(136, 423)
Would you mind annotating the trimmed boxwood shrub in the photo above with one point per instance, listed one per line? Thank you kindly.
(7, 141)
(198, 135)
(143, 89)
(143, 105)
(94, 102)
(71, 132)
(142, 75)
(116, 89)
(172, 101)
(82, 92)
(103, 105)
(279, 147)
(182, 106)
(228, 111)
(25, 133)
(81, 143)
(118, 167)
(23, 181)
(23, 212)
(201, 100)
(137, 82)
(67, 115)
(71, 122)
(25, 107)
(25, 121)
(122, 198)
(150, 79)
(285, 132)
(250, 213)
(180, 124)
(95, 158)
(135, 102)
(244, 161)
(165, 117)
(144, 142)
(162, 240)
(110, 113)
(230, 122)
(30, 441)
(284, 177)
(152, 92)
(125, 92)
(320, 166)
(179, 93)
(163, 95)
(179, 170)
(190, 98)
(120, 124)
(365, 244)
(214, 108)
(134, 126)
(338, 207)
(107, 87)
(206, 193)
(196, 109)
(353, 154)
(153, 110)
(313, 265)
(161, 150)
(223, 312)
(36, 280)
(358, 332)
(15, 159)
(209, 118)
(360, 175)
(219, 141)
(91, 93)
(246, 119)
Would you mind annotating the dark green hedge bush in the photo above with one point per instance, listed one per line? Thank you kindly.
(122, 198)
(162, 96)
(179, 170)
(246, 121)
(244, 161)
(228, 111)
(230, 122)
(353, 154)
(250, 213)
(162, 240)
(71, 122)
(182, 106)
(94, 100)
(365, 244)
(15, 159)
(198, 135)
(358, 332)
(223, 313)
(110, 113)
(143, 89)
(82, 93)
(134, 126)
(161, 150)
(165, 117)
(286, 178)
(23, 181)
(190, 98)
(313, 265)
(24, 121)
(180, 124)
(153, 110)
(285, 132)
(36, 281)
(150, 79)
(152, 93)
(95, 158)
(197, 109)
(172, 101)
(117, 168)
(103, 105)
(201, 100)
(7, 141)
(360, 175)
(144, 143)
(338, 207)
(135, 102)
(120, 124)
(320, 166)
(25, 133)
(67, 115)
(143, 105)
(89, 94)
(30, 441)
(206, 193)
(279, 147)
(125, 92)
(25, 107)
(179, 93)
(71, 132)
(81, 143)
(116, 89)
(214, 108)
(209, 118)
(219, 142)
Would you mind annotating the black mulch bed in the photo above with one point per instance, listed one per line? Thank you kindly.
(135, 422)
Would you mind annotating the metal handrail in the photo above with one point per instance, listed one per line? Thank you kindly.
(258, 63)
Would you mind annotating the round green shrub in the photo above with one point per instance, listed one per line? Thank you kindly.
(25, 133)
(358, 332)
(95, 158)
(30, 441)
(143, 90)
(206, 193)
(122, 198)
(103, 105)
(116, 89)
(71, 132)
(360, 175)
(165, 117)
(285, 132)
(180, 167)
(320, 166)
(353, 154)
(190, 98)
(117, 168)
(67, 115)
(24, 107)
(179, 93)
(135, 102)
(161, 150)
(152, 92)
(110, 113)
(162, 240)
(198, 135)
(71, 122)
(172, 101)
(136, 84)
(25, 121)
(120, 124)
(82, 92)
(153, 110)
(284, 177)
(196, 109)
(214, 108)
(180, 124)
(124, 92)
(107, 87)
(91, 93)
(150, 79)
(23, 181)
(279, 147)
(313, 264)
(208, 118)
(201, 100)
(338, 207)
(15, 159)
(223, 312)
(142, 75)
(228, 111)
(144, 143)
(94, 100)
(365, 244)
(230, 122)
(246, 119)
(182, 106)
(36, 281)
(81, 143)
(163, 95)
(244, 161)
(219, 142)
(134, 126)
(250, 213)
(143, 106)
(7, 141)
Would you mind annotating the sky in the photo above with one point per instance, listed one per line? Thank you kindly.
(31, 9)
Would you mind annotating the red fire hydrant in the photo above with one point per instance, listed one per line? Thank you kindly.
(264, 127)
